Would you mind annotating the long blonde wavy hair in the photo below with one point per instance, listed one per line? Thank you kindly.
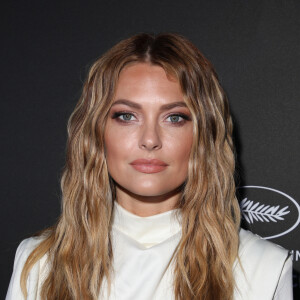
(79, 245)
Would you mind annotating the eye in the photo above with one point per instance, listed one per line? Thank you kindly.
(123, 116)
(177, 118)
(126, 117)
(174, 118)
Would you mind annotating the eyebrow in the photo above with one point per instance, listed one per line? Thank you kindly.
(138, 106)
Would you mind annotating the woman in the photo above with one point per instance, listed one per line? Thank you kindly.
(149, 208)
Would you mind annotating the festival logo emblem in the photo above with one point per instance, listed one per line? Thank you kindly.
(268, 212)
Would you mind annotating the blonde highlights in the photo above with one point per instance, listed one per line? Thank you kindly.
(79, 245)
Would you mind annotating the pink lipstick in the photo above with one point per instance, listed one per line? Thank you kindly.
(149, 165)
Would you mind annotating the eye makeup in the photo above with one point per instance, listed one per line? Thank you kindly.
(176, 116)
(127, 118)
(116, 116)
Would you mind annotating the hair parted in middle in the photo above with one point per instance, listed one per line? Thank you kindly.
(79, 245)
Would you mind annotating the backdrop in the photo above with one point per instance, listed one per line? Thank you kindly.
(47, 47)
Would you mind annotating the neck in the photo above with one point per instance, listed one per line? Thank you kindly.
(145, 206)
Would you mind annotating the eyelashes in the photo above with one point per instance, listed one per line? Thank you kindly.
(176, 119)
(126, 116)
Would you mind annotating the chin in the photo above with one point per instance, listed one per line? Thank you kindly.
(150, 190)
(148, 193)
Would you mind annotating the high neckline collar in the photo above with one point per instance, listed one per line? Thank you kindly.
(147, 231)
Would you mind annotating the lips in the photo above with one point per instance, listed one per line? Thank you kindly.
(149, 165)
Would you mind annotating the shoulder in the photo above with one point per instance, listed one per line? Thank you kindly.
(254, 244)
(257, 252)
(23, 251)
(27, 246)
(260, 267)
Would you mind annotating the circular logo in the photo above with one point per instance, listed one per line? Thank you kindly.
(268, 212)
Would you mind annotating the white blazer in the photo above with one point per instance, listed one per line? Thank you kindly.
(143, 247)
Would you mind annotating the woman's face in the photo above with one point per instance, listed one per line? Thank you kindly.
(149, 132)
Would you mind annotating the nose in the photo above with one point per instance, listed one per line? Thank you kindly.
(150, 137)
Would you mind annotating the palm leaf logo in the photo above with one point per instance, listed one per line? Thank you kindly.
(254, 211)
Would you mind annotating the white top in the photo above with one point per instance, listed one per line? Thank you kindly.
(143, 247)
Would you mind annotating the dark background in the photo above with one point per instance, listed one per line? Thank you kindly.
(47, 47)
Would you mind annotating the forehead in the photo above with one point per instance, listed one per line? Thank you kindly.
(142, 80)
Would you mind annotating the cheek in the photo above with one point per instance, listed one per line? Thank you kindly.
(117, 147)
(179, 148)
